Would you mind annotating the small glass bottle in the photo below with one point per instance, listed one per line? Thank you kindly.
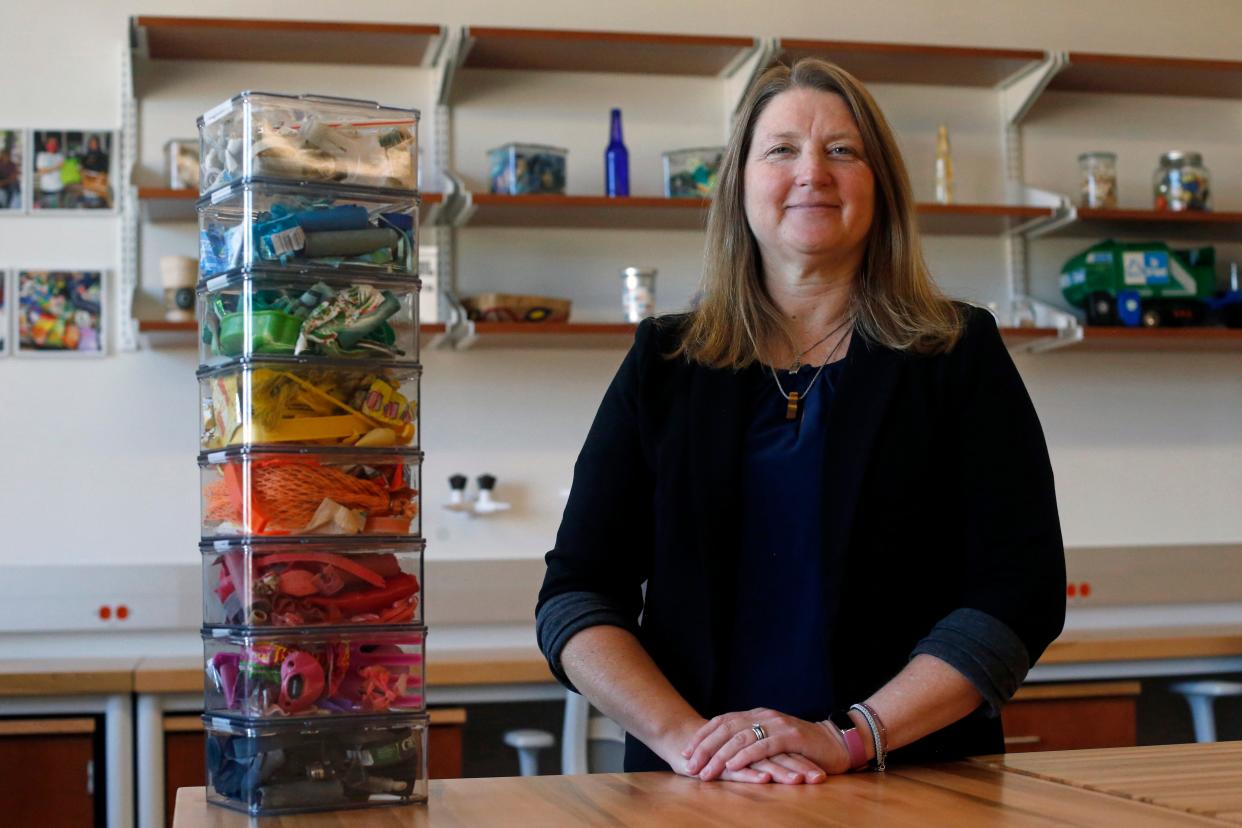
(616, 161)
(1181, 182)
(944, 167)
(1099, 180)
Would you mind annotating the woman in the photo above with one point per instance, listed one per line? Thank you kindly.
(824, 490)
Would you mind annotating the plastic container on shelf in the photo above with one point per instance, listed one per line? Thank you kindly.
(308, 138)
(183, 163)
(293, 401)
(334, 315)
(315, 764)
(527, 169)
(261, 223)
(1181, 182)
(309, 583)
(691, 173)
(300, 492)
(336, 671)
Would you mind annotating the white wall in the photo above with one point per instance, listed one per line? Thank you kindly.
(98, 456)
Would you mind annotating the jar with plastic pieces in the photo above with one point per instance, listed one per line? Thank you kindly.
(1181, 182)
(1099, 179)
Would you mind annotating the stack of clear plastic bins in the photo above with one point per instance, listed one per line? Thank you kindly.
(314, 637)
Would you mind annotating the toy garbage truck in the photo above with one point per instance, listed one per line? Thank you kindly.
(1141, 284)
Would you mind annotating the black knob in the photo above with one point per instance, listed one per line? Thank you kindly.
(458, 482)
(486, 482)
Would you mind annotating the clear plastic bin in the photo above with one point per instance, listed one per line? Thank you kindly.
(289, 401)
(265, 224)
(259, 312)
(691, 173)
(308, 138)
(315, 764)
(330, 672)
(306, 493)
(312, 583)
(527, 169)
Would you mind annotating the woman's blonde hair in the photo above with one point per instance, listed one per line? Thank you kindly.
(894, 301)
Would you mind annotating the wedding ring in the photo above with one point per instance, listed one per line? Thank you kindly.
(760, 735)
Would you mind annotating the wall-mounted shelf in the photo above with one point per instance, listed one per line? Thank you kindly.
(631, 212)
(164, 204)
(549, 335)
(577, 335)
(1139, 75)
(162, 333)
(167, 204)
(284, 41)
(1172, 226)
(658, 213)
(583, 51)
(1160, 339)
(976, 219)
(913, 63)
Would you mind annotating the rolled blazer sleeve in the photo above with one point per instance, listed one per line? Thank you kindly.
(1014, 561)
(603, 547)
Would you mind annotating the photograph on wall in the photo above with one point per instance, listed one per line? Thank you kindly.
(72, 170)
(60, 311)
(4, 313)
(12, 144)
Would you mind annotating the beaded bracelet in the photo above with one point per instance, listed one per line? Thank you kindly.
(879, 734)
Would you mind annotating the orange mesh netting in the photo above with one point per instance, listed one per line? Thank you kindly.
(284, 496)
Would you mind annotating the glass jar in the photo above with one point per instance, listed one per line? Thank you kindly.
(1099, 179)
(1181, 182)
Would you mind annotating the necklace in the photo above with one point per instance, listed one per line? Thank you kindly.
(793, 397)
(797, 362)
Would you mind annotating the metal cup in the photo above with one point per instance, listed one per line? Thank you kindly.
(638, 293)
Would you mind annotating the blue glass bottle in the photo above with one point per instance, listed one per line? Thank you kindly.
(616, 161)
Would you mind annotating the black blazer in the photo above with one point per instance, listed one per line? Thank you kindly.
(939, 495)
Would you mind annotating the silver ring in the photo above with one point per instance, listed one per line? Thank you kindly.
(760, 735)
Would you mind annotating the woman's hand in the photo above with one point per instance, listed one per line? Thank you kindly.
(667, 748)
(791, 748)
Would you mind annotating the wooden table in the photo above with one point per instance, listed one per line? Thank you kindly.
(1176, 785)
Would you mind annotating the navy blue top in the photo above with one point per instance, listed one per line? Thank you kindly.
(780, 631)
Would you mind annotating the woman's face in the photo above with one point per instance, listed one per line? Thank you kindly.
(810, 194)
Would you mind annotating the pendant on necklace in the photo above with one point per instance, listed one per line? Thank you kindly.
(791, 407)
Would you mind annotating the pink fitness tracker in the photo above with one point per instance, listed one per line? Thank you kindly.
(853, 740)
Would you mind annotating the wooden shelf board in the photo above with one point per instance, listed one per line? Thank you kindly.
(1174, 227)
(658, 213)
(164, 326)
(632, 212)
(1021, 336)
(1160, 339)
(285, 41)
(585, 51)
(553, 335)
(164, 204)
(976, 219)
(913, 63)
(1138, 75)
(612, 335)
(170, 334)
